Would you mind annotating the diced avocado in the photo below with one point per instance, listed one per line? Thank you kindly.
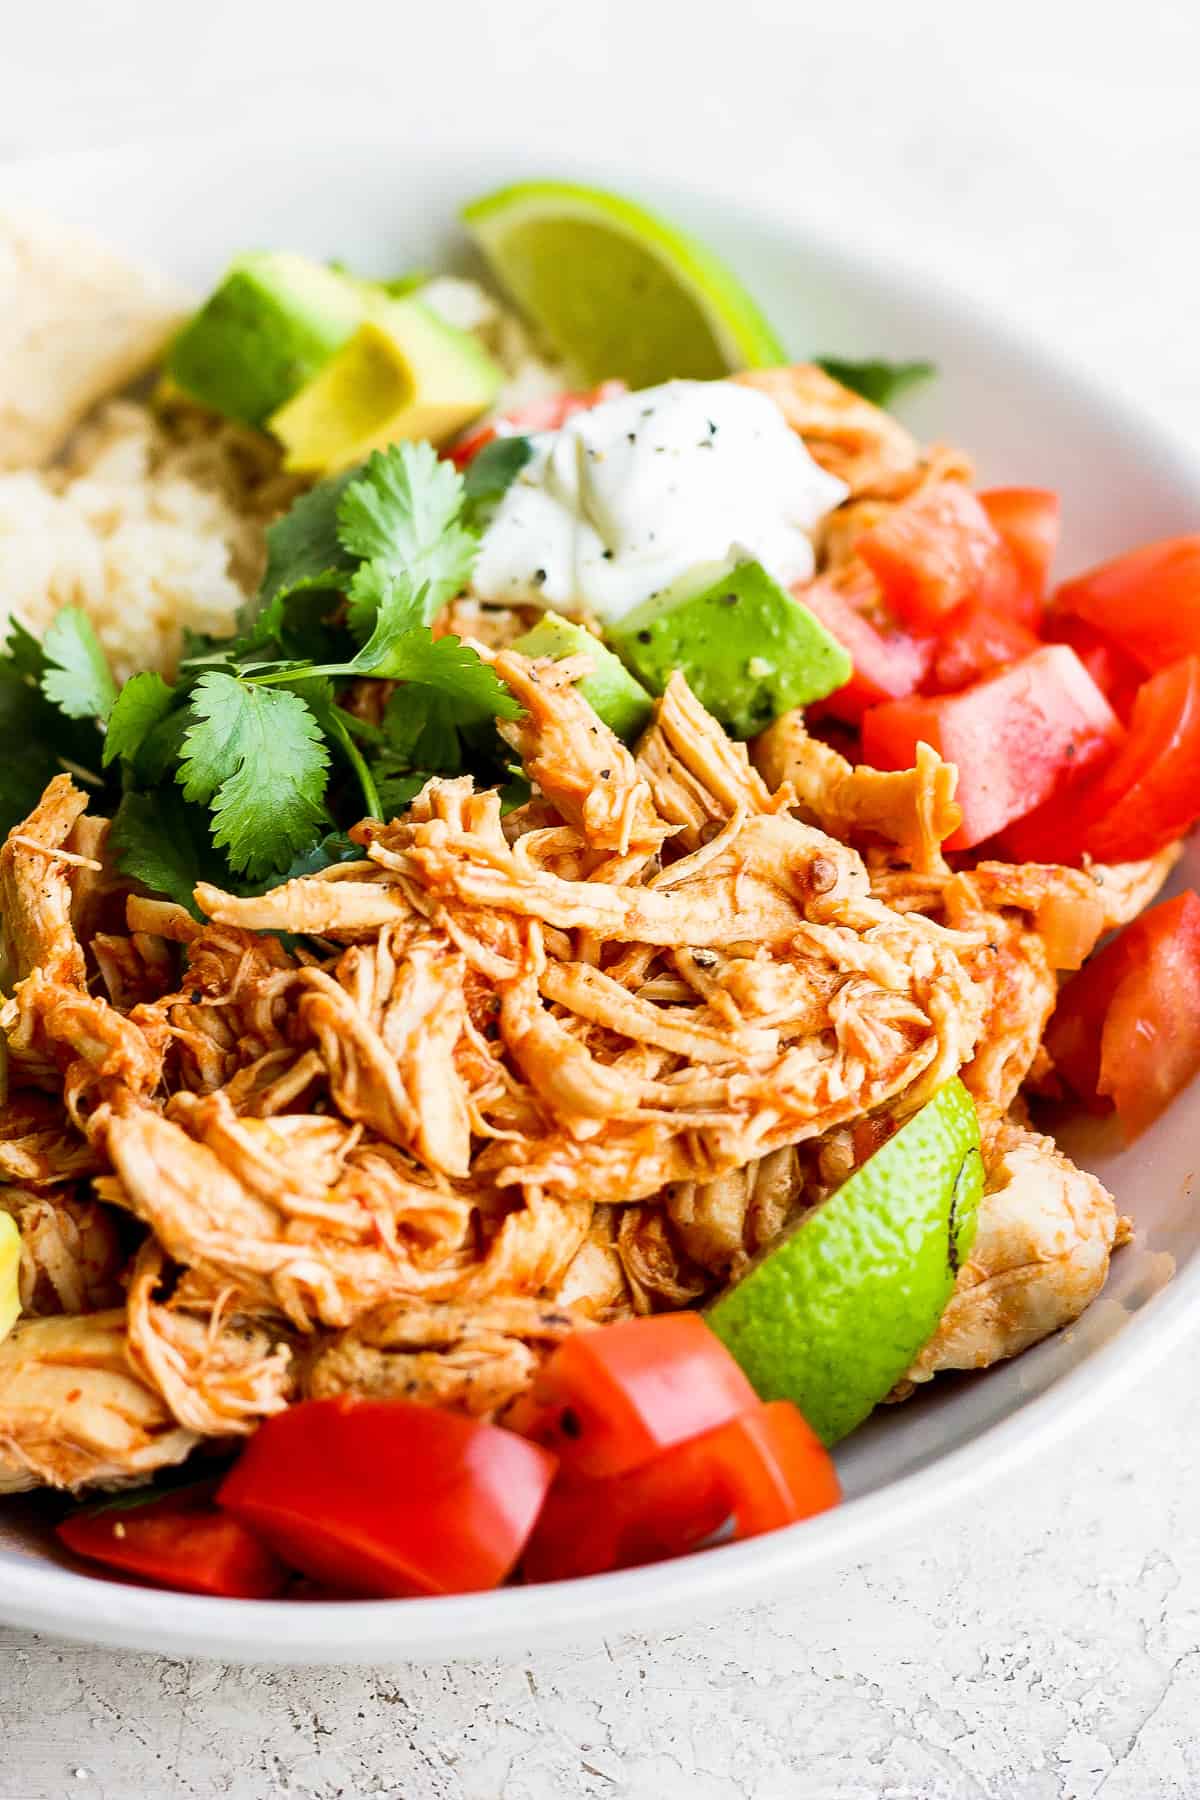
(749, 650)
(10, 1269)
(614, 695)
(270, 325)
(404, 373)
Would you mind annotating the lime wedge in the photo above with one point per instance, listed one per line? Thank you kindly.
(10, 1270)
(833, 1316)
(615, 290)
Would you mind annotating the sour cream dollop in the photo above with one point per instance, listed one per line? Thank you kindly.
(628, 497)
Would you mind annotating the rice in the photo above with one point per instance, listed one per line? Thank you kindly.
(152, 523)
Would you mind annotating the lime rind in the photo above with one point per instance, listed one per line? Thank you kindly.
(10, 1273)
(740, 332)
(834, 1315)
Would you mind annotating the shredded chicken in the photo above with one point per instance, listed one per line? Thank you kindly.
(1040, 1256)
(502, 1077)
(472, 1358)
(850, 438)
(74, 1411)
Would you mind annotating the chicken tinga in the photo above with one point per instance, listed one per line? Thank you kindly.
(534, 918)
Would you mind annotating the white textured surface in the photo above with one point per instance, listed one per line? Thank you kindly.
(1048, 1648)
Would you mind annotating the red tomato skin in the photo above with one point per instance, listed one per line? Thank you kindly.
(539, 415)
(1014, 736)
(975, 640)
(1115, 674)
(888, 663)
(936, 552)
(607, 1400)
(1028, 521)
(388, 1498)
(1126, 1029)
(1150, 1047)
(178, 1540)
(762, 1470)
(1142, 799)
(1146, 602)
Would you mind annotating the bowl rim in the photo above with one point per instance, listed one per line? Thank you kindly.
(84, 1607)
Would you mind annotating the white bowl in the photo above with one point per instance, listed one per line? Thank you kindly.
(1029, 419)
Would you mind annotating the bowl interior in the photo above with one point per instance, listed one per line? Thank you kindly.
(1027, 420)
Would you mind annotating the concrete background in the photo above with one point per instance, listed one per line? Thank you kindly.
(1045, 1646)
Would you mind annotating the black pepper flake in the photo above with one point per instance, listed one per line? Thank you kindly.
(712, 428)
(631, 437)
(644, 637)
(605, 774)
(570, 1424)
(195, 996)
(729, 599)
(608, 555)
(539, 578)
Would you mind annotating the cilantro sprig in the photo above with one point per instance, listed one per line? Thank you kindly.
(248, 767)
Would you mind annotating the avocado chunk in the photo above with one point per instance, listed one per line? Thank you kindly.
(834, 1314)
(403, 373)
(10, 1269)
(611, 691)
(270, 325)
(749, 650)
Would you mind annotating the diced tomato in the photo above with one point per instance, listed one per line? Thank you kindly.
(1014, 737)
(610, 1399)
(1147, 603)
(539, 415)
(1127, 1027)
(1028, 520)
(762, 1470)
(888, 663)
(180, 1540)
(1114, 673)
(936, 552)
(389, 1498)
(1142, 798)
(974, 641)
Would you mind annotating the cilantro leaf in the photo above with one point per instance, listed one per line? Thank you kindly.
(490, 474)
(402, 512)
(303, 551)
(446, 663)
(334, 847)
(385, 600)
(77, 677)
(880, 382)
(163, 842)
(142, 703)
(23, 652)
(27, 757)
(422, 731)
(398, 788)
(256, 756)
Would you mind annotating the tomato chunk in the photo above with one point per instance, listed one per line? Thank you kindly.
(888, 662)
(389, 1498)
(977, 639)
(1142, 798)
(1028, 520)
(1147, 602)
(1013, 737)
(1115, 674)
(179, 1540)
(936, 552)
(610, 1399)
(762, 1470)
(539, 415)
(1127, 1027)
